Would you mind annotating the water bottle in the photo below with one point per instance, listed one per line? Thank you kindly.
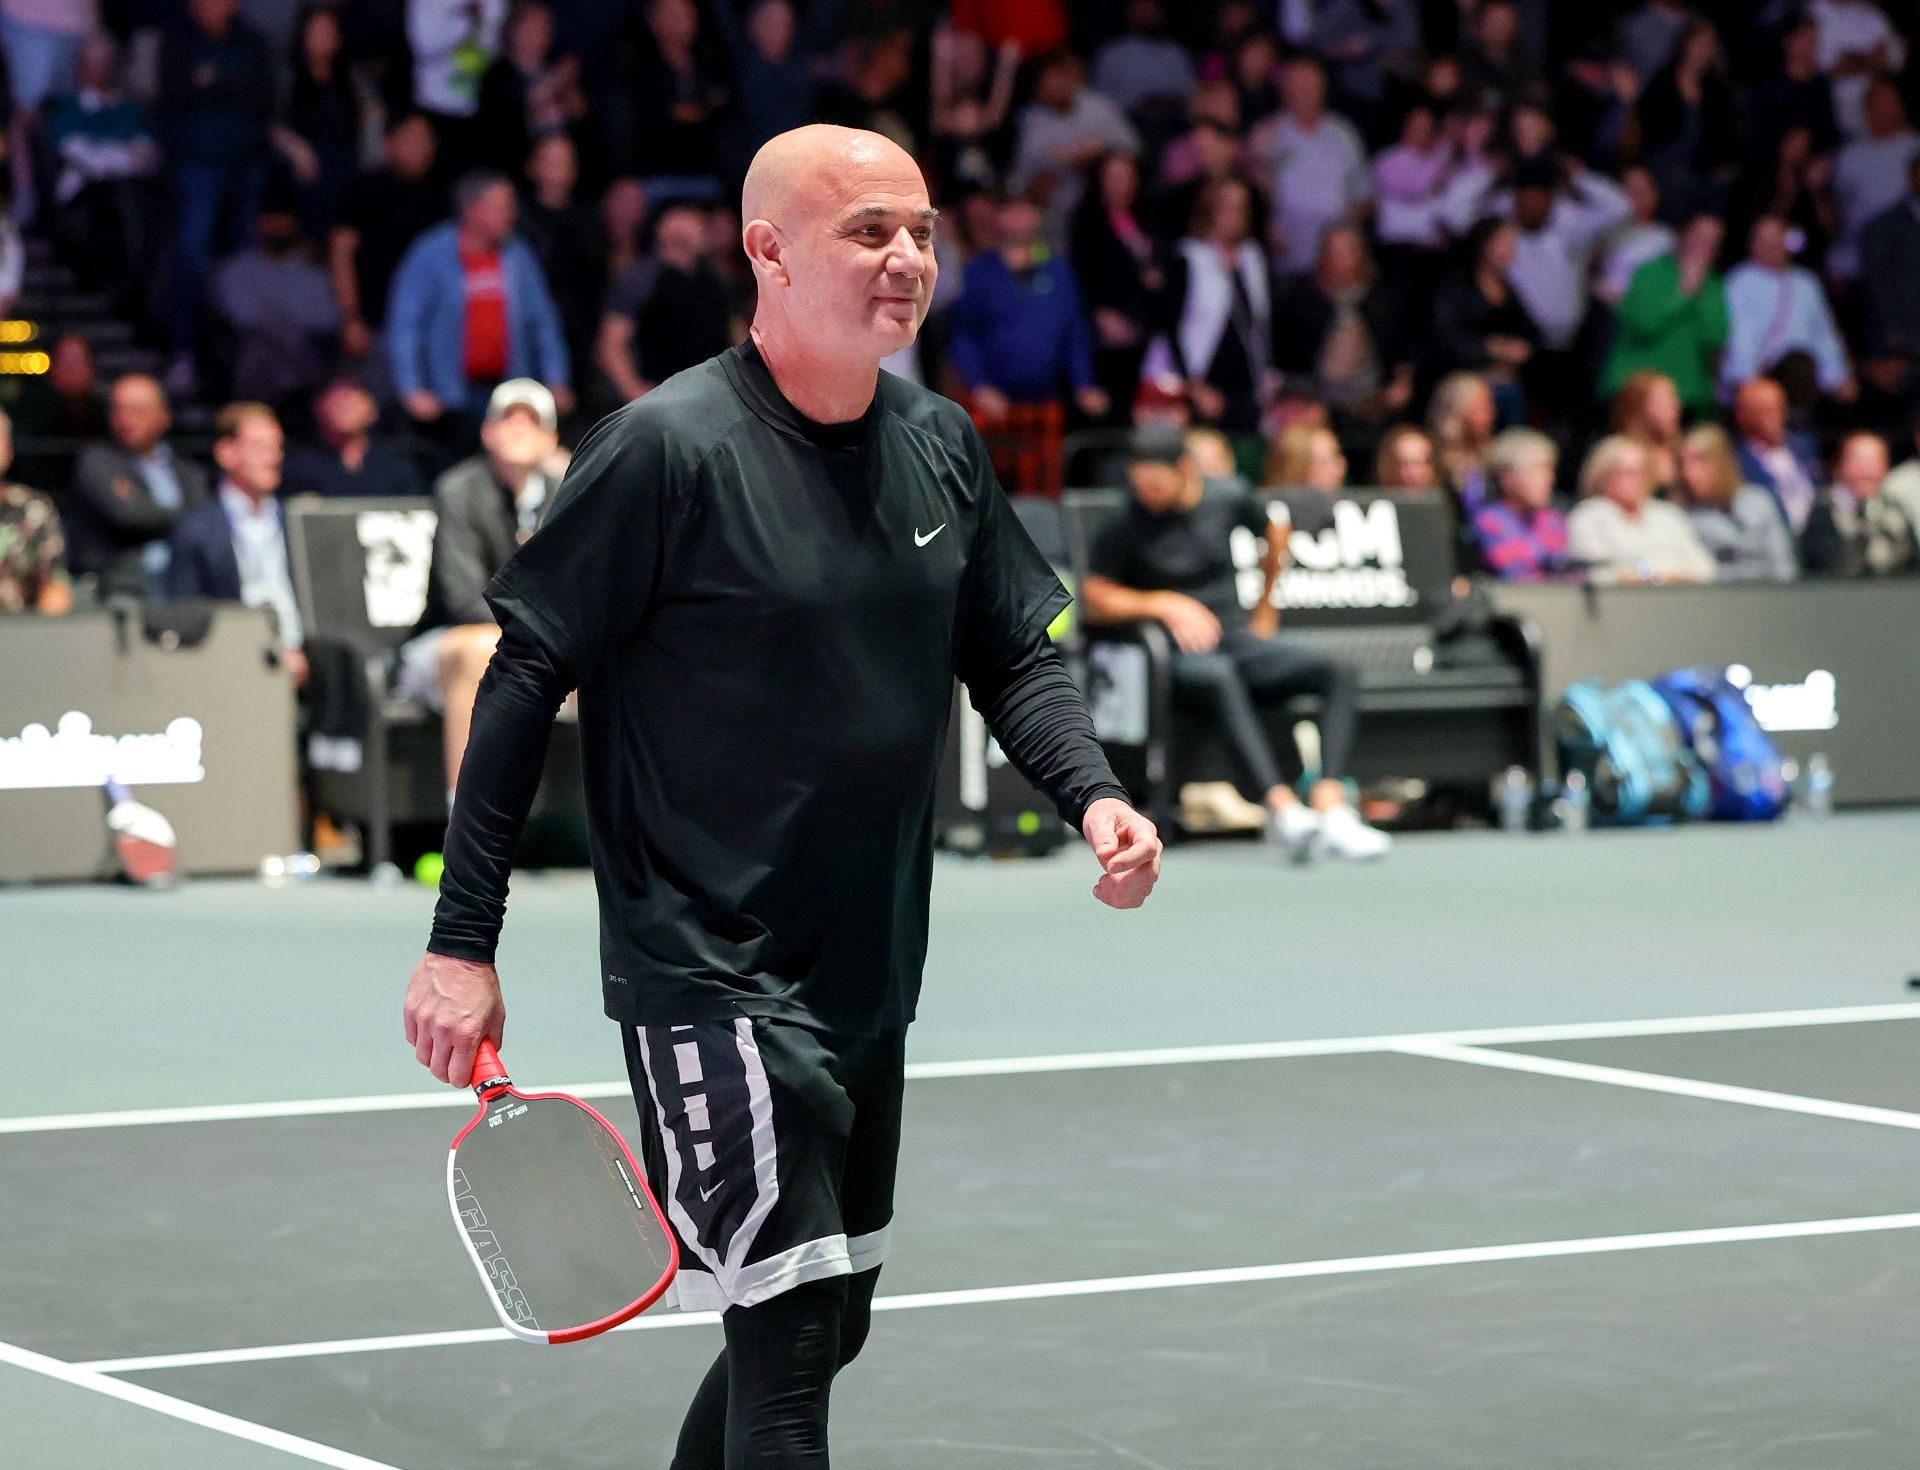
(1514, 799)
(1576, 803)
(1819, 786)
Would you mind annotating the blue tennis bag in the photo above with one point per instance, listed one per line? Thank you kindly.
(1625, 740)
(1742, 763)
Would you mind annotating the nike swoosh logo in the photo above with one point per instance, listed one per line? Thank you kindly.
(919, 540)
(707, 1194)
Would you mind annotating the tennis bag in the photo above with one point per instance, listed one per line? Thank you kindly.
(1625, 740)
(1742, 763)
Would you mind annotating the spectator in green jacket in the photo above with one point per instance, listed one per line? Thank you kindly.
(1673, 319)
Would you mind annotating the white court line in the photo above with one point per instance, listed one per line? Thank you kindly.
(1265, 1051)
(147, 1398)
(1753, 1097)
(1099, 1286)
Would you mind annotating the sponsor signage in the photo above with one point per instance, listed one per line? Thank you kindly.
(73, 753)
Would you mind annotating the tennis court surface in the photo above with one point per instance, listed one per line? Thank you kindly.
(1511, 1152)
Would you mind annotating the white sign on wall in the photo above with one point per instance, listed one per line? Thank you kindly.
(73, 753)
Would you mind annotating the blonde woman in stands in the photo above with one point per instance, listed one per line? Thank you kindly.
(1307, 456)
(1461, 420)
(1620, 533)
(1738, 523)
(1647, 409)
(1405, 461)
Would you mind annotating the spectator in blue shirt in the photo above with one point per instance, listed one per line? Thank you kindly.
(1019, 335)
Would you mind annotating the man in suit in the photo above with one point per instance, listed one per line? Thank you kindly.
(127, 494)
(233, 547)
(1785, 465)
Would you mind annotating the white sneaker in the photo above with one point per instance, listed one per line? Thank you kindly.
(1297, 830)
(1346, 836)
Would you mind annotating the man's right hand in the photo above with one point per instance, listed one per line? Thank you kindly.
(452, 1005)
(1190, 621)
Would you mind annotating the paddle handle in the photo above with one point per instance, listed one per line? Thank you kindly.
(489, 1076)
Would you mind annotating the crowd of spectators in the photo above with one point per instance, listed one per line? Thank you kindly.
(1635, 286)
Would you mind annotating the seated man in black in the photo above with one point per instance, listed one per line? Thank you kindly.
(1169, 557)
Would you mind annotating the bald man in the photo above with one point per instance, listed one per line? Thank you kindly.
(763, 578)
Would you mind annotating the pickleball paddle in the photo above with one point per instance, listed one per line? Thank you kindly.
(554, 1212)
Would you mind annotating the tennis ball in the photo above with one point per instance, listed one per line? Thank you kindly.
(428, 867)
(1028, 823)
(1062, 625)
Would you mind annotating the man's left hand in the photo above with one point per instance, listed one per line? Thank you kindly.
(1128, 848)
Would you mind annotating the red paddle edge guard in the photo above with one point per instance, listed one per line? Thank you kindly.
(489, 1079)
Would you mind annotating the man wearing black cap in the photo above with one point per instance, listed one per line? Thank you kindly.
(1169, 557)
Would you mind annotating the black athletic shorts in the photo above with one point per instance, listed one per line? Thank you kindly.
(771, 1148)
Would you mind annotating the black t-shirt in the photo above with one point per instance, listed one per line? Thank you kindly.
(1188, 551)
(680, 318)
(765, 616)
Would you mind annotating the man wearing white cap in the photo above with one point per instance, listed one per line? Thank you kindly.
(487, 506)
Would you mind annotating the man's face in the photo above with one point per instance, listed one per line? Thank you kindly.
(1760, 410)
(1303, 89)
(1532, 206)
(347, 411)
(1155, 485)
(1863, 465)
(1020, 225)
(410, 148)
(491, 216)
(1058, 85)
(1768, 244)
(517, 439)
(680, 237)
(137, 413)
(251, 458)
(1411, 464)
(859, 253)
(212, 16)
(553, 167)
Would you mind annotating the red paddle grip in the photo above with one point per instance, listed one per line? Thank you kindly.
(488, 1074)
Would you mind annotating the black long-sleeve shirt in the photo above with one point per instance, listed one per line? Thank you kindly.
(765, 617)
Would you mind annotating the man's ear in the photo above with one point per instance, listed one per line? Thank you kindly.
(767, 251)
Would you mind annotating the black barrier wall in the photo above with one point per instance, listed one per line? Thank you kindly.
(1831, 666)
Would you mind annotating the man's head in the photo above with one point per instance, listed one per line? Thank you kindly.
(344, 410)
(278, 231)
(680, 235)
(137, 413)
(522, 426)
(212, 16)
(484, 207)
(1886, 114)
(1019, 230)
(1057, 81)
(1343, 263)
(411, 145)
(1643, 193)
(1800, 46)
(1406, 460)
(1700, 240)
(675, 23)
(1303, 89)
(1767, 244)
(1158, 468)
(1533, 206)
(1497, 27)
(72, 374)
(553, 168)
(1146, 17)
(771, 29)
(99, 62)
(1760, 412)
(1860, 465)
(248, 446)
(1216, 149)
(840, 232)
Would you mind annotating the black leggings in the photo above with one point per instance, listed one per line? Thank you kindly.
(1246, 672)
(763, 1403)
